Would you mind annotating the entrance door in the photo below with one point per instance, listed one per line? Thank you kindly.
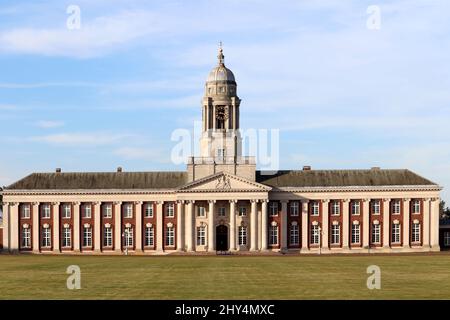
(222, 238)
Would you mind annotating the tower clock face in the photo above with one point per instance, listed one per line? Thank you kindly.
(222, 113)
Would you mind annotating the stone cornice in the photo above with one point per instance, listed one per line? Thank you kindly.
(88, 192)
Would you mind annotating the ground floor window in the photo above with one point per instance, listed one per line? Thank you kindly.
(447, 239)
(242, 236)
(376, 233)
(396, 233)
(201, 236)
(46, 238)
(26, 238)
(107, 237)
(149, 236)
(170, 236)
(416, 232)
(273, 235)
(67, 238)
(87, 237)
(335, 234)
(294, 235)
(129, 237)
(355, 233)
(315, 234)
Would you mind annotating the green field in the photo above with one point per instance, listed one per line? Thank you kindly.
(227, 277)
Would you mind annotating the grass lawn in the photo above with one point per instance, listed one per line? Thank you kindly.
(228, 277)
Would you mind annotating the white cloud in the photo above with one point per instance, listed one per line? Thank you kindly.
(81, 139)
(47, 124)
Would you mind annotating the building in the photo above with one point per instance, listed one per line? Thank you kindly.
(221, 202)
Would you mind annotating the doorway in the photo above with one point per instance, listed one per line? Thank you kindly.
(222, 238)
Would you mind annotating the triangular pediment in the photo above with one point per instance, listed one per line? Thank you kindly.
(223, 182)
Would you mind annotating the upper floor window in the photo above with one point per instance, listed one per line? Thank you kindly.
(66, 211)
(294, 208)
(335, 208)
(315, 208)
(25, 211)
(87, 211)
(416, 207)
(128, 210)
(356, 208)
(46, 211)
(242, 211)
(221, 211)
(273, 209)
(396, 207)
(170, 210)
(107, 211)
(375, 207)
(148, 211)
(220, 153)
(201, 212)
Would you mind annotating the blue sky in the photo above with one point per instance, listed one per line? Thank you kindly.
(112, 92)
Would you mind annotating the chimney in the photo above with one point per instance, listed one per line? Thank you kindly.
(58, 170)
(306, 168)
(119, 169)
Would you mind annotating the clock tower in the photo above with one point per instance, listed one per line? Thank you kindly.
(221, 141)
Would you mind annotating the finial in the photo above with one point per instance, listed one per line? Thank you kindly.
(221, 56)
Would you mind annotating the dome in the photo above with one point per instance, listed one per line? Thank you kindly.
(221, 73)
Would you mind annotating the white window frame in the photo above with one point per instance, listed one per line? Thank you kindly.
(415, 236)
(396, 207)
(128, 211)
(149, 237)
(416, 207)
(221, 211)
(315, 234)
(273, 209)
(242, 211)
(148, 211)
(315, 209)
(87, 237)
(335, 208)
(67, 238)
(46, 238)
(107, 211)
(128, 237)
(242, 236)
(107, 237)
(396, 233)
(66, 211)
(201, 236)
(87, 211)
(375, 207)
(335, 234)
(170, 210)
(356, 234)
(376, 233)
(447, 238)
(46, 211)
(201, 212)
(294, 209)
(25, 211)
(273, 235)
(170, 236)
(355, 208)
(294, 235)
(26, 238)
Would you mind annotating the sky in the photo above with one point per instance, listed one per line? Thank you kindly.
(342, 93)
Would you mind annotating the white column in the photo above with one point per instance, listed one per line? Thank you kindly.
(232, 225)
(386, 223)
(253, 224)
(406, 214)
(180, 225)
(211, 243)
(283, 229)
(259, 228)
(117, 226)
(434, 224)
(426, 222)
(264, 226)
(35, 231)
(56, 240)
(5, 226)
(325, 223)
(138, 206)
(366, 224)
(189, 226)
(159, 226)
(305, 225)
(345, 223)
(14, 225)
(97, 227)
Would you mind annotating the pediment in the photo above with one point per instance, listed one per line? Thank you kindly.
(223, 182)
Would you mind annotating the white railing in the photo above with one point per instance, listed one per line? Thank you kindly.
(221, 160)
